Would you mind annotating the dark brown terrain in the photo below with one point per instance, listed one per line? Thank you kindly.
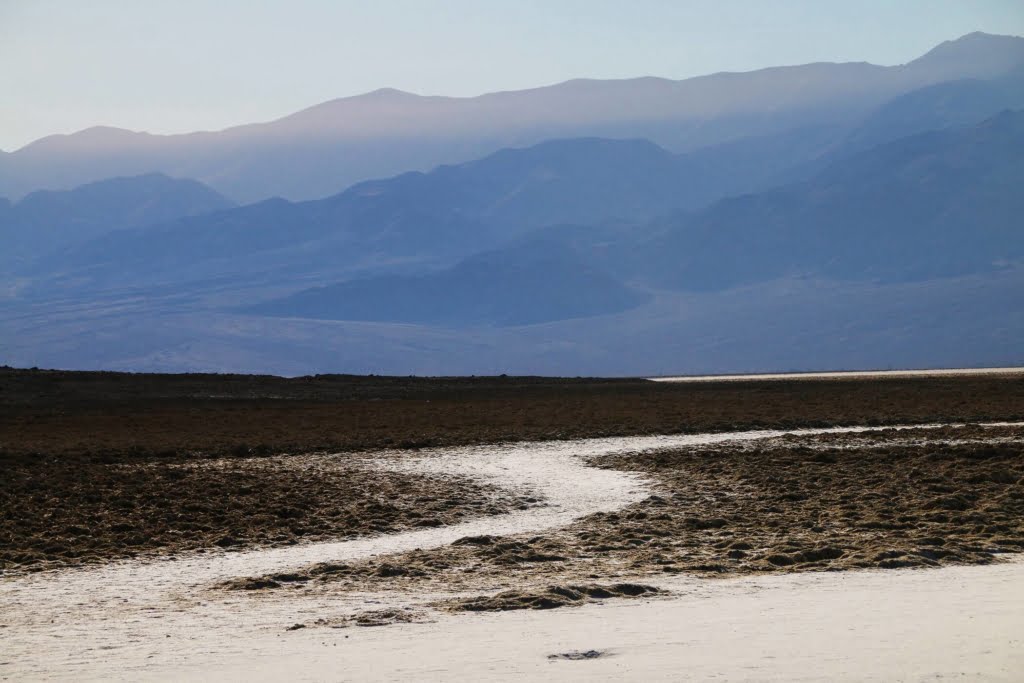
(61, 511)
(105, 465)
(131, 416)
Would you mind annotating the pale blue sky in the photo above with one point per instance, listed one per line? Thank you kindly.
(181, 65)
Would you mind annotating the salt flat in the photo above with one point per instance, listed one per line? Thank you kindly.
(851, 374)
(161, 620)
(965, 623)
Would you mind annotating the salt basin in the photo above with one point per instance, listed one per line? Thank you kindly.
(157, 619)
(964, 623)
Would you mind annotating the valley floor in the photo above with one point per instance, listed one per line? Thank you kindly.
(610, 551)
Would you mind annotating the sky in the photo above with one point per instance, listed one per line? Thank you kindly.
(169, 66)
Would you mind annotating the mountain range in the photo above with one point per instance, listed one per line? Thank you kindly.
(934, 205)
(414, 220)
(568, 229)
(341, 142)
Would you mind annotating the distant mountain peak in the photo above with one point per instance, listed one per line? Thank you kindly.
(975, 40)
(92, 137)
(127, 188)
(46, 221)
(982, 54)
(388, 92)
(154, 179)
(378, 95)
(981, 36)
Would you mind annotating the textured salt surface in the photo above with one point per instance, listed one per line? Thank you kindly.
(122, 620)
(964, 623)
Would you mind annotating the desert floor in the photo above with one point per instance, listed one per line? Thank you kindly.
(336, 528)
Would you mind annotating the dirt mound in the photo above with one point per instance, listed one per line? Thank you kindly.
(371, 618)
(551, 597)
(579, 655)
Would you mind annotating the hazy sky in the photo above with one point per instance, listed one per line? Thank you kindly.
(181, 65)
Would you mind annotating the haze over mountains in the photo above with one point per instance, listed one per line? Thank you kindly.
(806, 217)
(334, 144)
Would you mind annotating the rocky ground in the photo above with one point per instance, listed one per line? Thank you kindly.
(70, 414)
(57, 512)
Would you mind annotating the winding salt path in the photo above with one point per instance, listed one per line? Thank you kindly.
(137, 617)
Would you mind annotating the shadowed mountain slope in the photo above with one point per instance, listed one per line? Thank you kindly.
(49, 220)
(943, 105)
(932, 205)
(530, 283)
